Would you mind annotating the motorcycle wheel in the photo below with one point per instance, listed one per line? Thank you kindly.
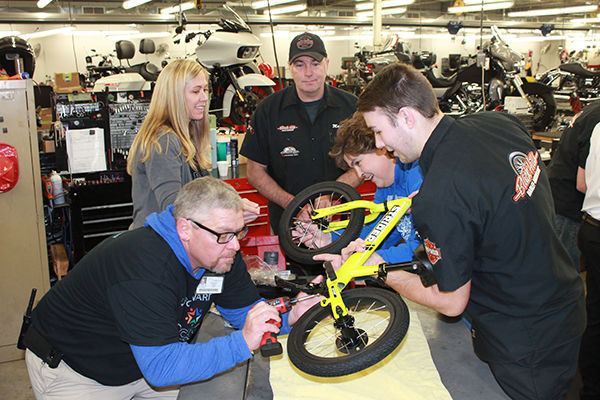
(309, 199)
(242, 111)
(544, 107)
(380, 318)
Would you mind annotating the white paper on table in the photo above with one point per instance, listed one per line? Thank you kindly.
(85, 150)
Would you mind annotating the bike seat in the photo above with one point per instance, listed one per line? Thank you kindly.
(578, 69)
(147, 70)
(439, 81)
(125, 49)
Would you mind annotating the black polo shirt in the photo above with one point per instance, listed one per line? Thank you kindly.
(295, 150)
(485, 214)
(572, 153)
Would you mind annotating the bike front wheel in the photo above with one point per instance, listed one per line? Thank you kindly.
(293, 228)
(318, 345)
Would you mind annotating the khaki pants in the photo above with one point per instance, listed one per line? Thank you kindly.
(62, 383)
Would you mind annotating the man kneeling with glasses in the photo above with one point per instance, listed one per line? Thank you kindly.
(120, 323)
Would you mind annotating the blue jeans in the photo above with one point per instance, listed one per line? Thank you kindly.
(567, 229)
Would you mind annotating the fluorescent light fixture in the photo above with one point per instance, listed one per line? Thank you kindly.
(133, 3)
(263, 3)
(141, 35)
(478, 2)
(43, 3)
(384, 11)
(9, 33)
(180, 7)
(288, 9)
(49, 32)
(384, 4)
(477, 8)
(105, 33)
(586, 20)
(553, 11)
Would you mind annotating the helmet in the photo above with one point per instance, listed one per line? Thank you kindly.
(13, 49)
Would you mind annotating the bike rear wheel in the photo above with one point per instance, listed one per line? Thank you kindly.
(380, 321)
(310, 198)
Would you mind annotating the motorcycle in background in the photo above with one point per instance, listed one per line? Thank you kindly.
(360, 69)
(463, 93)
(229, 53)
(573, 82)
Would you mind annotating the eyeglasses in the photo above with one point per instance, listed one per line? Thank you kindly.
(223, 237)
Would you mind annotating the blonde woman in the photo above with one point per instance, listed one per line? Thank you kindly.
(170, 149)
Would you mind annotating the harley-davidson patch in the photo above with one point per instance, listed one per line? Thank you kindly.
(287, 128)
(433, 252)
(305, 43)
(289, 151)
(528, 171)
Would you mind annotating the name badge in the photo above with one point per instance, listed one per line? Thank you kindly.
(210, 284)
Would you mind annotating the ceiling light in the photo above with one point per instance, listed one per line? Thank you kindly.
(49, 32)
(180, 7)
(585, 20)
(477, 8)
(265, 4)
(553, 11)
(9, 33)
(43, 3)
(288, 9)
(478, 2)
(137, 35)
(384, 4)
(384, 11)
(133, 3)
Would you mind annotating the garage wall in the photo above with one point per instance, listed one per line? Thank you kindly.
(66, 52)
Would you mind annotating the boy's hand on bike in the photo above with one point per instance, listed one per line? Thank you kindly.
(337, 261)
(310, 235)
(256, 324)
(320, 202)
(302, 306)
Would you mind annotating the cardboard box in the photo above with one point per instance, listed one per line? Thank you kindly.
(67, 82)
(45, 115)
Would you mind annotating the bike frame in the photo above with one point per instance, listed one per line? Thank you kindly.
(354, 266)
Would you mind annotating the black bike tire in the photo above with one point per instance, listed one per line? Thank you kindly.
(385, 344)
(547, 117)
(303, 254)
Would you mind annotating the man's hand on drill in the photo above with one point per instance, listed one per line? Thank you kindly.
(256, 324)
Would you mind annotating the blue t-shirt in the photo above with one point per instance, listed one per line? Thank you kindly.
(407, 179)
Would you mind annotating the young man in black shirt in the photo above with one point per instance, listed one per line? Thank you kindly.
(485, 215)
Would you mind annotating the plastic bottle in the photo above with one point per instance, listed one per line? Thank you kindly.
(57, 188)
(233, 147)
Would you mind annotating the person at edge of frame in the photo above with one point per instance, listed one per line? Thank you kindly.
(292, 130)
(485, 215)
(588, 122)
(119, 325)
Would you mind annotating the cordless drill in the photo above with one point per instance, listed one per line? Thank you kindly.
(269, 346)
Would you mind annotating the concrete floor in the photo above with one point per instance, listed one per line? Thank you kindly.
(14, 381)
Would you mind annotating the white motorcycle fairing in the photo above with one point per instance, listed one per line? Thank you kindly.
(243, 81)
(223, 48)
(122, 82)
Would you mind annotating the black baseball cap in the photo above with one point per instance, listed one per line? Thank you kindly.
(307, 44)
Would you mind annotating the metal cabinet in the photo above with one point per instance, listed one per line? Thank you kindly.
(23, 254)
